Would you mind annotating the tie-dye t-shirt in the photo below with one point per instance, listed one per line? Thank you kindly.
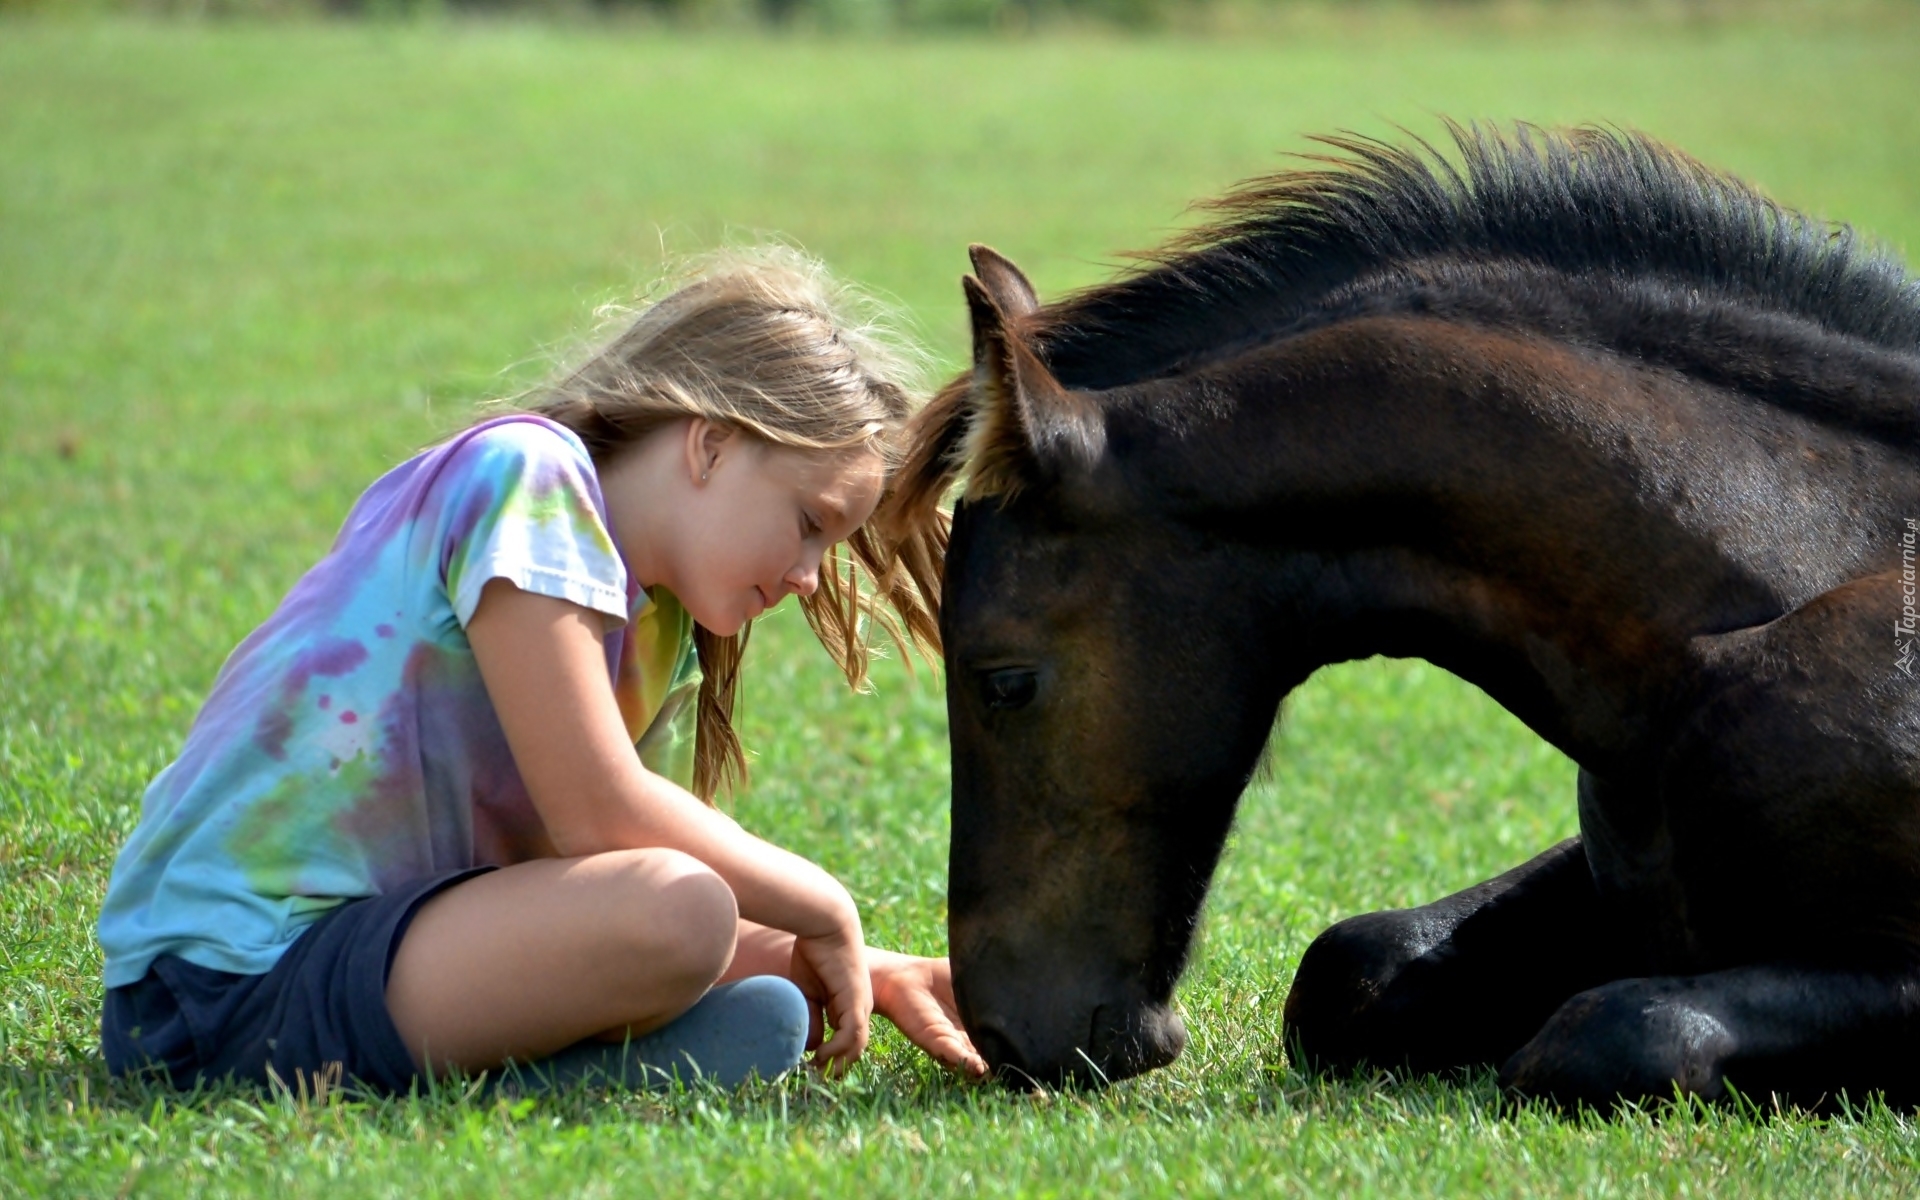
(349, 745)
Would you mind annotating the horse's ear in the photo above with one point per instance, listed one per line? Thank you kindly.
(1022, 421)
(989, 329)
(1004, 282)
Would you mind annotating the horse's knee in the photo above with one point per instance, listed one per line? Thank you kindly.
(1633, 1040)
(684, 918)
(1332, 1013)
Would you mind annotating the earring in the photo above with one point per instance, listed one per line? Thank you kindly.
(703, 477)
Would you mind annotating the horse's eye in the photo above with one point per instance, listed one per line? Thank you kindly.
(1011, 687)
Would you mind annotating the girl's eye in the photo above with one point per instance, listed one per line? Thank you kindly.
(808, 525)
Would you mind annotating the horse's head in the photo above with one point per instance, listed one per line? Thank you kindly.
(1108, 700)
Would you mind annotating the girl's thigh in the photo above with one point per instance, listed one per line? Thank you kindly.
(520, 962)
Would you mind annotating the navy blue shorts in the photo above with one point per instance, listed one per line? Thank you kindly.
(324, 1002)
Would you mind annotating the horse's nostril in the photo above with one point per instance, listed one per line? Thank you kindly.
(1129, 1041)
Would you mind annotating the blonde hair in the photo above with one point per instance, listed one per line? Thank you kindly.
(766, 342)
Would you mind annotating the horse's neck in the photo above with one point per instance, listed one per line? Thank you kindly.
(1553, 524)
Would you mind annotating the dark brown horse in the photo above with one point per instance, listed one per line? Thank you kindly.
(1597, 429)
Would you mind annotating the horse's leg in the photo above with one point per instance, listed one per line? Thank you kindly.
(1785, 889)
(1803, 1034)
(1463, 981)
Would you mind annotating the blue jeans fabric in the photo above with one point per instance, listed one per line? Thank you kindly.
(323, 1003)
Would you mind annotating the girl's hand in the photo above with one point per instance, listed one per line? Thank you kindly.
(916, 994)
(831, 971)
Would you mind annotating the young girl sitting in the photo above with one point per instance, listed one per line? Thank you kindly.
(432, 816)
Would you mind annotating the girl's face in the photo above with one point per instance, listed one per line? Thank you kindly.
(756, 522)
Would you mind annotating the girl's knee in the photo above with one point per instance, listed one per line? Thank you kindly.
(686, 918)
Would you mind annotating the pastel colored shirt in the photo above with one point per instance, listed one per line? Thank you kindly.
(349, 744)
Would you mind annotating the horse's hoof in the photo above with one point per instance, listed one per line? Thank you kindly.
(1635, 1041)
(1333, 1019)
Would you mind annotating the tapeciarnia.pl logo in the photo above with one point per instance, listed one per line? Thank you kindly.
(1909, 622)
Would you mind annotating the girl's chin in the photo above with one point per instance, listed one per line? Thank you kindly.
(726, 624)
(721, 624)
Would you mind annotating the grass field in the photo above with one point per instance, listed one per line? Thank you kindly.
(245, 268)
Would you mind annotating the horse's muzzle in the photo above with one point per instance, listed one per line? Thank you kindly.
(1115, 1041)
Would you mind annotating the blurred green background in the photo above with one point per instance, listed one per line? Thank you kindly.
(247, 264)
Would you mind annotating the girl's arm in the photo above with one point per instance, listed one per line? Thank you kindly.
(916, 994)
(544, 664)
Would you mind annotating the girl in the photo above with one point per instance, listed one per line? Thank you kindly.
(410, 832)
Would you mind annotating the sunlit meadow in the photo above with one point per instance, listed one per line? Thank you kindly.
(246, 267)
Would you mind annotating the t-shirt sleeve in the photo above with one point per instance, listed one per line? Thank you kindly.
(521, 502)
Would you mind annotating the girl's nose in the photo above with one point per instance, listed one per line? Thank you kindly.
(804, 580)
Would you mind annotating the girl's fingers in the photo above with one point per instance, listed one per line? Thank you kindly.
(848, 1016)
(839, 967)
(951, 1047)
(957, 1051)
(965, 1059)
(918, 999)
(928, 1026)
(843, 1049)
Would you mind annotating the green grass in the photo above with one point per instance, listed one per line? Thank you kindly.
(244, 268)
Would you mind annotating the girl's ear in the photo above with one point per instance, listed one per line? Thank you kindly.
(705, 442)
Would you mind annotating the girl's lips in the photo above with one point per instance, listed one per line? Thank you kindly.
(765, 604)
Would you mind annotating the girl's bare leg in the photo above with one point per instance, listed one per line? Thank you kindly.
(526, 960)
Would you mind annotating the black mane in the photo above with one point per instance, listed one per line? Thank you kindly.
(1611, 207)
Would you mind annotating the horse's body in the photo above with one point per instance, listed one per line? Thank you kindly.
(1599, 431)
